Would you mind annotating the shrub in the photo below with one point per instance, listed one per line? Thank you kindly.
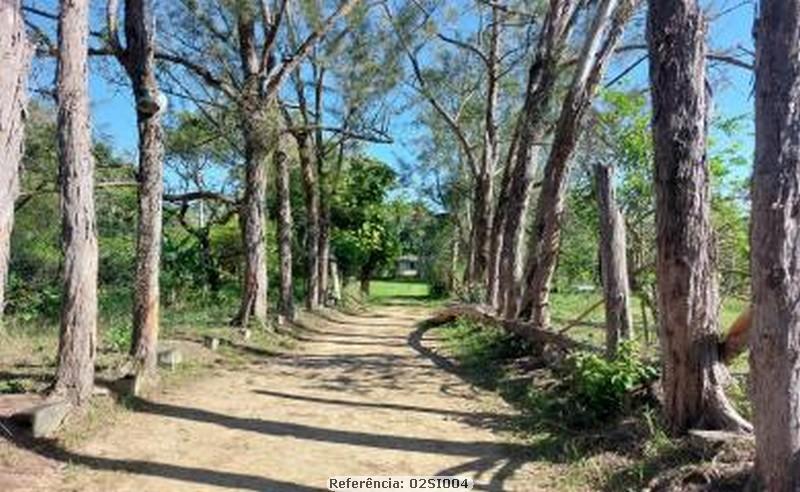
(602, 388)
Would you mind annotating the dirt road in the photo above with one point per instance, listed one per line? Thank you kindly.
(359, 397)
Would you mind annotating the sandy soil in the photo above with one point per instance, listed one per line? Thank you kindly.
(361, 397)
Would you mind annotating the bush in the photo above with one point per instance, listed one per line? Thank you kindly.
(602, 388)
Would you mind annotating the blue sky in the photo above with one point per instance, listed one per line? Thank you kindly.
(115, 119)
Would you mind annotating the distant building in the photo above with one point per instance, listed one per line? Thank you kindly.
(407, 266)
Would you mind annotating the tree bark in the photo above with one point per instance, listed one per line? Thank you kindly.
(607, 26)
(312, 198)
(257, 148)
(613, 261)
(498, 223)
(285, 224)
(15, 51)
(260, 139)
(483, 212)
(688, 299)
(324, 275)
(336, 284)
(325, 257)
(77, 341)
(138, 59)
(775, 246)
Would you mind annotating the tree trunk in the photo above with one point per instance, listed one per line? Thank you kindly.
(326, 195)
(312, 196)
(542, 77)
(479, 235)
(327, 284)
(484, 182)
(452, 276)
(325, 258)
(258, 139)
(607, 26)
(775, 246)
(613, 262)
(15, 51)
(209, 263)
(364, 279)
(498, 223)
(77, 341)
(687, 288)
(336, 284)
(139, 62)
(286, 301)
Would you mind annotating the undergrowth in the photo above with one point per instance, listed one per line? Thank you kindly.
(594, 415)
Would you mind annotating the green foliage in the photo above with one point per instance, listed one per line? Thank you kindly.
(601, 388)
(35, 266)
(589, 389)
(365, 238)
(118, 336)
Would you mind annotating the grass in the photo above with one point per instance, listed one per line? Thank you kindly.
(630, 451)
(381, 290)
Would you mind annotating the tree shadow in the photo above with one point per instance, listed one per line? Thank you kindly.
(477, 419)
(366, 321)
(50, 449)
(562, 444)
(483, 456)
(329, 435)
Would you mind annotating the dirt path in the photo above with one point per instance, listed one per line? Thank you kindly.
(356, 399)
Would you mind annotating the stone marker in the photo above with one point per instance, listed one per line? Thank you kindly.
(130, 385)
(211, 343)
(170, 358)
(245, 333)
(46, 418)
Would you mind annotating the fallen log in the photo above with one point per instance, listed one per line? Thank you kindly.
(483, 315)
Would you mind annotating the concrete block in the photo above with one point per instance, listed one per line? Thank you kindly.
(170, 359)
(211, 343)
(46, 418)
(130, 385)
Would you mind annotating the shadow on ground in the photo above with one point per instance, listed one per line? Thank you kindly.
(492, 463)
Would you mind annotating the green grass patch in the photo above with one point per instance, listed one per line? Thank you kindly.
(383, 289)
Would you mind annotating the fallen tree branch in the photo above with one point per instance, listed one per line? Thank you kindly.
(524, 329)
(575, 322)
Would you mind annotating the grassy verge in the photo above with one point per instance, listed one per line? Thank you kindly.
(28, 347)
(574, 415)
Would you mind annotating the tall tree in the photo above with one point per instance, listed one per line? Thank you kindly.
(601, 40)
(531, 128)
(77, 341)
(775, 246)
(688, 299)
(613, 261)
(15, 51)
(245, 35)
(285, 224)
(138, 60)
(480, 159)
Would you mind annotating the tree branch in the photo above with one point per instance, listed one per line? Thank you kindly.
(466, 46)
(275, 80)
(200, 195)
